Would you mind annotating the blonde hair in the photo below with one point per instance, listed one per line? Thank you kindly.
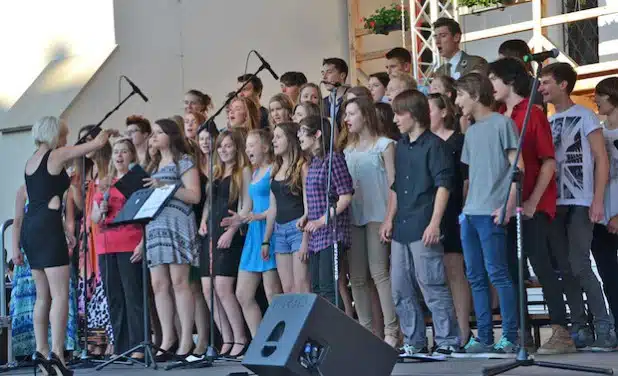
(46, 131)
(127, 141)
(405, 78)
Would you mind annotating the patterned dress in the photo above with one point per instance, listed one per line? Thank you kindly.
(21, 308)
(99, 326)
(171, 238)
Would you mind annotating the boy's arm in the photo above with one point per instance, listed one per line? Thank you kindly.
(601, 174)
(441, 167)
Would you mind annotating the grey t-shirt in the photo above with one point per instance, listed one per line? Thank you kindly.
(485, 151)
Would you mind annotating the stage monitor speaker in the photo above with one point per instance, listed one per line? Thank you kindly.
(303, 334)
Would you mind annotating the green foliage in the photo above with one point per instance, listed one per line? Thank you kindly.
(385, 19)
(480, 3)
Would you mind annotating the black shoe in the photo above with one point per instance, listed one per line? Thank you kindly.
(228, 351)
(167, 354)
(40, 362)
(56, 364)
(241, 353)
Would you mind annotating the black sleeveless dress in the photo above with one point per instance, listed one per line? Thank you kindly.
(42, 232)
(225, 261)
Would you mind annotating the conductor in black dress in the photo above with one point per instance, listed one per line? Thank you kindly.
(44, 238)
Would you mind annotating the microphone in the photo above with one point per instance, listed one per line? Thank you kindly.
(105, 199)
(266, 65)
(542, 56)
(335, 84)
(136, 89)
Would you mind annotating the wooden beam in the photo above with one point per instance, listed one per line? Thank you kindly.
(588, 84)
(545, 22)
(497, 31)
(361, 32)
(592, 70)
(373, 55)
(353, 40)
(580, 15)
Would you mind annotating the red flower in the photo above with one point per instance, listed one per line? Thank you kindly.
(399, 8)
(372, 23)
(362, 19)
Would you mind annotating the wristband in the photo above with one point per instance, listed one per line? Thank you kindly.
(265, 243)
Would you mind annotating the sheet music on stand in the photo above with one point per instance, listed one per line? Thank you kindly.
(154, 202)
(145, 204)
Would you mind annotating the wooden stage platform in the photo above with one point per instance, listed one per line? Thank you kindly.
(449, 367)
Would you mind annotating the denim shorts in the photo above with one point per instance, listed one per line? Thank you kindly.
(287, 237)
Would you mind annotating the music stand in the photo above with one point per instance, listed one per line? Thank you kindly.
(142, 207)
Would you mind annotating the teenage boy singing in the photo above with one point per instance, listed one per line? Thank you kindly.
(582, 175)
(489, 150)
(510, 79)
(424, 174)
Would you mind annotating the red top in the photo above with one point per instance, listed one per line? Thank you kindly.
(538, 146)
(118, 238)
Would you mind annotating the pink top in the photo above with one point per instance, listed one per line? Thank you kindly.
(118, 238)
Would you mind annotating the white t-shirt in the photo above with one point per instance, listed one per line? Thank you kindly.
(611, 191)
(575, 173)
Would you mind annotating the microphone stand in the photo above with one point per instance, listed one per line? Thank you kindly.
(212, 355)
(329, 204)
(85, 361)
(523, 359)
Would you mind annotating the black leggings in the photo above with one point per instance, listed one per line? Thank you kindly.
(604, 249)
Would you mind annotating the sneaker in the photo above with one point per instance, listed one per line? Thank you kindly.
(473, 349)
(504, 349)
(606, 340)
(560, 342)
(583, 338)
(409, 350)
(445, 350)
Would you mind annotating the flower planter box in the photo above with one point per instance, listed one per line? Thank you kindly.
(477, 9)
(387, 29)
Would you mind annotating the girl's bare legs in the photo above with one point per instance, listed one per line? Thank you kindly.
(302, 284)
(161, 287)
(185, 305)
(246, 288)
(219, 316)
(42, 307)
(272, 284)
(460, 289)
(58, 278)
(286, 270)
(225, 290)
(201, 318)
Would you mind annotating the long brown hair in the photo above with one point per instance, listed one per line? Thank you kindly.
(253, 113)
(203, 161)
(151, 163)
(240, 162)
(444, 103)
(285, 102)
(177, 142)
(368, 112)
(294, 172)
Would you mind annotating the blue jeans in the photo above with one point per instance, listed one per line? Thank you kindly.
(484, 245)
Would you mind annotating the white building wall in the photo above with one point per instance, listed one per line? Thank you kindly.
(165, 46)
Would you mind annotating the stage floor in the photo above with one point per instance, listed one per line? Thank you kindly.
(449, 367)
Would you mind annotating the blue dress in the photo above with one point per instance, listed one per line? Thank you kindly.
(251, 259)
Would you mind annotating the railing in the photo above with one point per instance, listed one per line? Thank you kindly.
(5, 320)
